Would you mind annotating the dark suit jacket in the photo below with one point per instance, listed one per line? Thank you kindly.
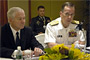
(37, 24)
(88, 35)
(8, 43)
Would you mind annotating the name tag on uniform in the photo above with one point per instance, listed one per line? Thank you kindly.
(59, 35)
(72, 33)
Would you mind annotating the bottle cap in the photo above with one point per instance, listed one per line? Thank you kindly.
(19, 47)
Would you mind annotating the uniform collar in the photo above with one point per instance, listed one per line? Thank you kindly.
(40, 16)
(60, 26)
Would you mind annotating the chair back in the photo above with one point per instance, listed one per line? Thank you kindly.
(41, 38)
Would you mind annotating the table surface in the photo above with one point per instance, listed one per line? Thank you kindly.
(88, 48)
(33, 58)
(5, 58)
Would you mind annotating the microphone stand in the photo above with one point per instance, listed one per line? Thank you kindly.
(84, 33)
(79, 27)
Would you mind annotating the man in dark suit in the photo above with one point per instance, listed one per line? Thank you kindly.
(26, 39)
(39, 22)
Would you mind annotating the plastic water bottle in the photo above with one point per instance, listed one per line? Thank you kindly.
(19, 55)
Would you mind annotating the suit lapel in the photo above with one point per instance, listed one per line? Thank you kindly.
(22, 38)
(11, 40)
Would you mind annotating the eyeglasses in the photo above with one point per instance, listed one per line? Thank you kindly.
(67, 14)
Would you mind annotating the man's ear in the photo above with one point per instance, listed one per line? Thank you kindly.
(60, 13)
(10, 20)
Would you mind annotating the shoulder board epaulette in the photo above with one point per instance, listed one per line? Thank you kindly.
(54, 23)
(75, 22)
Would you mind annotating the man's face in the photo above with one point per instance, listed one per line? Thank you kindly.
(18, 21)
(67, 15)
(41, 12)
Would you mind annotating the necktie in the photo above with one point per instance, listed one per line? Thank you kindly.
(17, 39)
(42, 19)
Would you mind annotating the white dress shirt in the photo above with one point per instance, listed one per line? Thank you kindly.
(14, 33)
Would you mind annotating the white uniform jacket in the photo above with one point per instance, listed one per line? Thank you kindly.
(58, 34)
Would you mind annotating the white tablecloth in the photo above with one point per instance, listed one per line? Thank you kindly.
(5, 59)
(33, 58)
(88, 48)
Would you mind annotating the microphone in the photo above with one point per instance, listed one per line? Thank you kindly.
(79, 26)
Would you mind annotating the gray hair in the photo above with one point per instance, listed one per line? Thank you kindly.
(11, 12)
(67, 4)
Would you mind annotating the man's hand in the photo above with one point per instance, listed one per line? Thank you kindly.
(40, 33)
(37, 51)
(51, 44)
(69, 46)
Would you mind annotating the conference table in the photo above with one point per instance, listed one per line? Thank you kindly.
(37, 58)
(5, 58)
(33, 58)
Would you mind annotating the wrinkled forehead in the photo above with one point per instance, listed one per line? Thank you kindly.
(69, 9)
(19, 12)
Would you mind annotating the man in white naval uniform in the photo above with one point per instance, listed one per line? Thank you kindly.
(61, 30)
